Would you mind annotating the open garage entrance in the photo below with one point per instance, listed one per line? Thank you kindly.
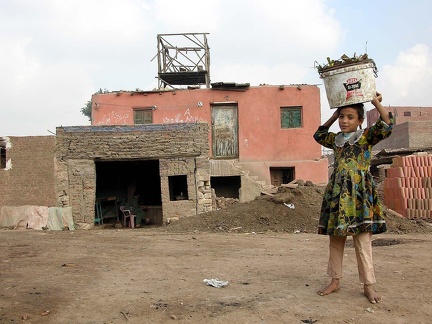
(117, 181)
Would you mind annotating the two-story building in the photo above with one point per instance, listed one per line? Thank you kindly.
(258, 136)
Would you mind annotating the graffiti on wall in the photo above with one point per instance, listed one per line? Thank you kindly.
(187, 117)
(114, 118)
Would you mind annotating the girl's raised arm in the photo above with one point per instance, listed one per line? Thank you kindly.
(376, 101)
(332, 119)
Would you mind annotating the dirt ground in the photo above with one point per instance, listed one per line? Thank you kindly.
(266, 250)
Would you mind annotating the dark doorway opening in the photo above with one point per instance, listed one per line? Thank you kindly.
(118, 181)
(228, 187)
(280, 176)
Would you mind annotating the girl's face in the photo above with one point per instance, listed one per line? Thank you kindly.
(349, 120)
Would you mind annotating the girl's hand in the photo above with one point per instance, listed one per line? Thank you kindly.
(377, 98)
(335, 115)
(376, 101)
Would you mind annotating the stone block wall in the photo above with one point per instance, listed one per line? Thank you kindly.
(180, 149)
(198, 184)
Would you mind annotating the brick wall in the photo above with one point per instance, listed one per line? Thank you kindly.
(29, 177)
(411, 134)
(180, 148)
(420, 134)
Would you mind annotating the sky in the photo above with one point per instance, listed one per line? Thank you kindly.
(55, 54)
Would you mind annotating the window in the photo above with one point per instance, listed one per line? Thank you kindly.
(407, 113)
(4, 145)
(143, 115)
(178, 188)
(291, 117)
(2, 157)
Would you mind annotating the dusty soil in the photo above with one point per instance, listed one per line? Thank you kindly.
(265, 249)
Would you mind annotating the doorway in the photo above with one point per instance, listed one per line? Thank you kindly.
(226, 187)
(118, 181)
(279, 176)
(225, 131)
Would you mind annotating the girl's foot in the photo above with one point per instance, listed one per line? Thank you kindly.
(332, 287)
(371, 294)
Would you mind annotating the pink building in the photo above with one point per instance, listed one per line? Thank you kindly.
(259, 134)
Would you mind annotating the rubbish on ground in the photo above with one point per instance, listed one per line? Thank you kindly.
(216, 282)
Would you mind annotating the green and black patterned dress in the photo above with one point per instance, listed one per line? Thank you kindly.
(350, 205)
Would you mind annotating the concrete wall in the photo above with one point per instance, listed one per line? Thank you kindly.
(398, 139)
(412, 134)
(29, 176)
(181, 149)
(262, 142)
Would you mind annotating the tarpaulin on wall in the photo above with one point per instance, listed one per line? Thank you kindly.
(36, 217)
(60, 218)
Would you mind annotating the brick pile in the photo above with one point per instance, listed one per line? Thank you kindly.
(408, 186)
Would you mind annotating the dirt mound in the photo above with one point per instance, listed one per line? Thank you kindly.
(400, 225)
(289, 210)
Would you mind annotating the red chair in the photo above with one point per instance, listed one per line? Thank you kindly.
(127, 214)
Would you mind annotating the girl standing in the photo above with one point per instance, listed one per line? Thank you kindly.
(350, 205)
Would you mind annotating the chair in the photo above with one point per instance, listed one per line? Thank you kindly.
(128, 214)
(99, 216)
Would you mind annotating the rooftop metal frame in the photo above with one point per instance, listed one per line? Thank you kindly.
(183, 59)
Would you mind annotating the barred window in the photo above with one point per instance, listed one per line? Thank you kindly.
(291, 117)
(143, 116)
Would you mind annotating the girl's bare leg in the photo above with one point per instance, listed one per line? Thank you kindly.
(371, 294)
(332, 287)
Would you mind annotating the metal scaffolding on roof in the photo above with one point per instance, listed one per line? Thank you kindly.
(183, 59)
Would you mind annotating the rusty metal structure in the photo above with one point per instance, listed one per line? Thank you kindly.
(183, 59)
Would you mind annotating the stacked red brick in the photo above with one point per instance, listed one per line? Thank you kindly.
(408, 186)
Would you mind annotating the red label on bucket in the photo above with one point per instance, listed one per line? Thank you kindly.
(352, 86)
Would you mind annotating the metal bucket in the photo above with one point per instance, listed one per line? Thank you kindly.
(350, 83)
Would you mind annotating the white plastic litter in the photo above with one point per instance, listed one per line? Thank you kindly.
(214, 282)
(289, 205)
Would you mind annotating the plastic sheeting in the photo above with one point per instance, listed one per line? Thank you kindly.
(60, 218)
(36, 217)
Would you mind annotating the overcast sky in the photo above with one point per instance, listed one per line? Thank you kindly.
(55, 54)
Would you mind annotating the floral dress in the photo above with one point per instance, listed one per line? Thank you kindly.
(350, 205)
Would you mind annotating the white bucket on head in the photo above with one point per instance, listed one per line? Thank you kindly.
(350, 83)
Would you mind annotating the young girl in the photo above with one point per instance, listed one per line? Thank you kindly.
(350, 205)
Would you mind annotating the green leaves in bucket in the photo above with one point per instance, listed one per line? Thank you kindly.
(344, 60)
